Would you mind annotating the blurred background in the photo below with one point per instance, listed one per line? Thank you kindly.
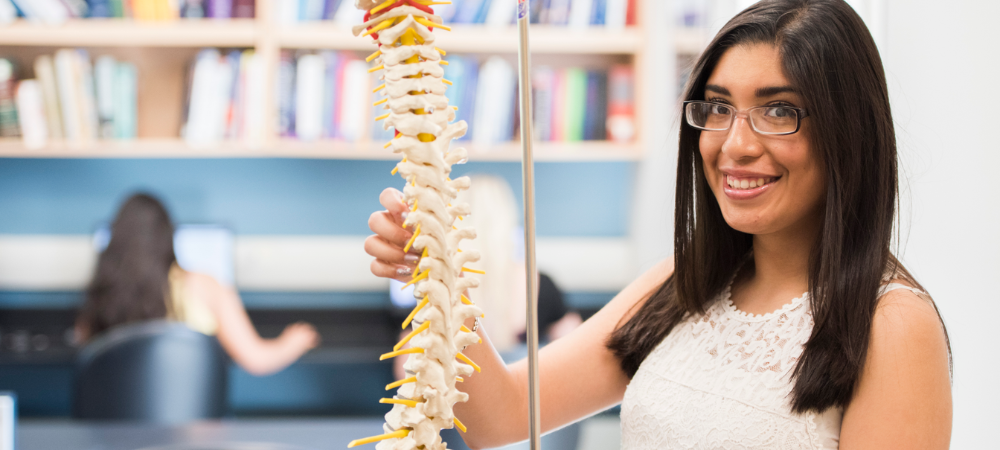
(251, 121)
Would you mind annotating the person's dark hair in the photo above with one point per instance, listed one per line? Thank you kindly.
(831, 59)
(131, 281)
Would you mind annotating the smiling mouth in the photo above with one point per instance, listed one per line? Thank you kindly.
(748, 183)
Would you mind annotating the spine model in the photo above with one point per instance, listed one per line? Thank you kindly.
(416, 107)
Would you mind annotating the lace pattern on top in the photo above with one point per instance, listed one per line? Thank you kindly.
(723, 380)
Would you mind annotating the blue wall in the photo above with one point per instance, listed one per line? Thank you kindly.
(283, 196)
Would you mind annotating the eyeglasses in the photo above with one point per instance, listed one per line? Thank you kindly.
(769, 120)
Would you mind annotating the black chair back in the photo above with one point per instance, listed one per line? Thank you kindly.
(156, 372)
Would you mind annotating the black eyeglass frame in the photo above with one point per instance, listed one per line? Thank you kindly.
(801, 113)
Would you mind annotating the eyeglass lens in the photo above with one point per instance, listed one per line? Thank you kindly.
(718, 117)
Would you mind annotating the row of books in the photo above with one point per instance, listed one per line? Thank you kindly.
(69, 99)
(327, 95)
(225, 98)
(58, 11)
(572, 13)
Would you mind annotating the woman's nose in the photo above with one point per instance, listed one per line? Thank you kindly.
(742, 141)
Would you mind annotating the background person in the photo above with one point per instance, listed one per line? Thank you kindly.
(138, 279)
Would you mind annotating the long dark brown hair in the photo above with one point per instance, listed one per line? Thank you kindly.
(131, 282)
(831, 59)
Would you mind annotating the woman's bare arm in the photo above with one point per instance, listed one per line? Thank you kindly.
(238, 336)
(903, 399)
(579, 376)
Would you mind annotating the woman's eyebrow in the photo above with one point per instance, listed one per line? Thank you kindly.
(773, 90)
(717, 89)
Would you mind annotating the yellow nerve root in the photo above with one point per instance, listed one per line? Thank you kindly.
(458, 423)
(382, 6)
(376, 69)
(373, 56)
(417, 278)
(399, 401)
(399, 383)
(408, 351)
(473, 271)
(415, 332)
(394, 435)
(461, 357)
(466, 300)
(412, 239)
(385, 24)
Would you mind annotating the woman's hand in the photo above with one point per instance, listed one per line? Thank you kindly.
(300, 336)
(386, 245)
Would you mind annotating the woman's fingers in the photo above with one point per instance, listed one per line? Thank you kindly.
(389, 270)
(392, 200)
(380, 249)
(383, 224)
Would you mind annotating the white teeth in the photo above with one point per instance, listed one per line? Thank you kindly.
(747, 183)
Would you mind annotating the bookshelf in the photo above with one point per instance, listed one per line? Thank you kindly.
(163, 50)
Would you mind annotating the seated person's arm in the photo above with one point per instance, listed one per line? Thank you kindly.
(239, 338)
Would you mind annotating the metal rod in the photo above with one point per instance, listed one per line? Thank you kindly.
(528, 180)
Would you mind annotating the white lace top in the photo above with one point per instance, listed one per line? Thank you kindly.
(723, 380)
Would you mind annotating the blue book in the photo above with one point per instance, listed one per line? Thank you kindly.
(597, 15)
(468, 10)
(484, 10)
(331, 94)
(125, 94)
(330, 9)
(462, 71)
(99, 9)
(286, 95)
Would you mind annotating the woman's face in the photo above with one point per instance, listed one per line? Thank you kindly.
(764, 184)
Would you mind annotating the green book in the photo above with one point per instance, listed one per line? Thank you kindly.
(576, 104)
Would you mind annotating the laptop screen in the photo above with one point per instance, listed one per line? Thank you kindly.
(207, 249)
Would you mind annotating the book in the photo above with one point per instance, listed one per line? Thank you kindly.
(355, 106)
(575, 104)
(467, 11)
(596, 113)
(45, 73)
(308, 105)
(190, 9)
(8, 108)
(616, 14)
(31, 114)
(210, 99)
(558, 12)
(99, 8)
(288, 11)
(621, 109)
(330, 9)
(105, 71)
(311, 10)
(244, 9)
(542, 82)
(501, 13)
(51, 12)
(125, 93)
(580, 13)
(494, 112)
(87, 96)
(219, 9)
(558, 132)
(253, 111)
(286, 95)
(8, 12)
(66, 68)
(331, 93)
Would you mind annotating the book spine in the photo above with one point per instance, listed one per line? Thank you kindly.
(30, 108)
(104, 77)
(286, 95)
(65, 65)
(8, 108)
(309, 105)
(253, 115)
(126, 92)
(219, 9)
(88, 99)
(244, 9)
(621, 110)
(46, 74)
(576, 98)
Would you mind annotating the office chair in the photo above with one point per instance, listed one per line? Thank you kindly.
(158, 372)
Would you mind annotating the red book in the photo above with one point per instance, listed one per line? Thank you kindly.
(621, 104)
(243, 9)
(630, 13)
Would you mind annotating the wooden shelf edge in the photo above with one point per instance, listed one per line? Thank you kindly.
(129, 33)
(175, 148)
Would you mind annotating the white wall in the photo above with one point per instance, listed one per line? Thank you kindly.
(941, 58)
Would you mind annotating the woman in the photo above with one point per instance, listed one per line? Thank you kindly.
(783, 320)
(138, 279)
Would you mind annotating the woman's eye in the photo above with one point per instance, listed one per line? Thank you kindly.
(719, 109)
(779, 112)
